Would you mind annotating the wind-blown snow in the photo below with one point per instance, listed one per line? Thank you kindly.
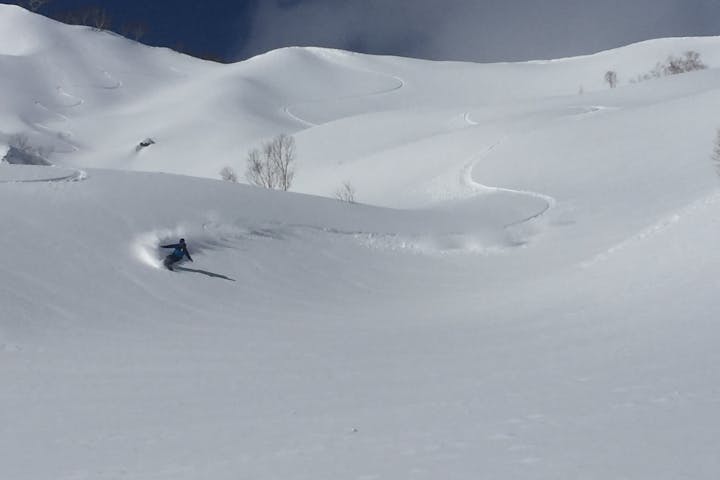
(529, 291)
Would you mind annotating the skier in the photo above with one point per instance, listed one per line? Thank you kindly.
(177, 254)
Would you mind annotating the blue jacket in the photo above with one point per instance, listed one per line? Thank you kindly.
(180, 251)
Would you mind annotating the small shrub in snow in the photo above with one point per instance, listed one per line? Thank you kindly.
(611, 78)
(346, 193)
(689, 62)
(228, 174)
(273, 165)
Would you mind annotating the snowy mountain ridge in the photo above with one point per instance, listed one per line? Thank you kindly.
(93, 97)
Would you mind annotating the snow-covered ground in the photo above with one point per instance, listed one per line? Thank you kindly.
(529, 293)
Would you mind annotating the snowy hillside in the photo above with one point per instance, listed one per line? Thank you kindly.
(528, 292)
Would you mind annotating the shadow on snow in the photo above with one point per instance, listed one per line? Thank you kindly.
(204, 272)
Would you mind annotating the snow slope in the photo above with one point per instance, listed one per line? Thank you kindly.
(531, 294)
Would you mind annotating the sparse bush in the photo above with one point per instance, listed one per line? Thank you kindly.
(346, 193)
(228, 174)
(611, 78)
(272, 166)
(689, 62)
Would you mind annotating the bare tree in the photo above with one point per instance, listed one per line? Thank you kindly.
(611, 78)
(258, 171)
(281, 152)
(273, 166)
(35, 5)
(134, 30)
(346, 193)
(228, 174)
(90, 16)
(95, 17)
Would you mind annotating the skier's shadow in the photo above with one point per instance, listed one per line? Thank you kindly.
(205, 272)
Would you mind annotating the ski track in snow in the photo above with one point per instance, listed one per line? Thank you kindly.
(467, 180)
(116, 83)
(421, 245)
(42, 106)
(61, 134)
(64, 135)
(294, 117)
(654, 230)
(78, 101)
(594, 110)
(67, 176)
(208, 236)
(217, 235)
(400, 84)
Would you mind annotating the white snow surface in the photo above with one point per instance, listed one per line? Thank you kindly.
(529, 290)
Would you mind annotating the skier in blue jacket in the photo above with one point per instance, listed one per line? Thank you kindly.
(178, 254)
